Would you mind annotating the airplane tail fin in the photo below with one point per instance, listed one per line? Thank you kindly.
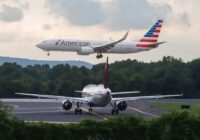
(151, 37)
(106, 74)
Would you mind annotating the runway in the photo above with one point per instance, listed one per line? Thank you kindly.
(48, 110)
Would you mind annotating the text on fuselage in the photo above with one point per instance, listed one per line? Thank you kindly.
(73, 43)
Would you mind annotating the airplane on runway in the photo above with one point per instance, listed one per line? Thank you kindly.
(98, 96)
(86, 47)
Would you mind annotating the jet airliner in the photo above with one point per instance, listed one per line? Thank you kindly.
(98, 96)
(86, 47)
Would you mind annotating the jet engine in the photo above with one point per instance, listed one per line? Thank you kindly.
(66, 104)
(122, 105)
(85, 51)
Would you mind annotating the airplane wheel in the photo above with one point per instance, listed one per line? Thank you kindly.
(76, 111)
(99, 56)
(117, 111)
(90, 109)
(113, 112)
(80, 111)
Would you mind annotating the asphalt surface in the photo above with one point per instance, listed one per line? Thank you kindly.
(48, 110)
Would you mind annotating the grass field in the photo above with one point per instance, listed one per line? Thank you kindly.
(195, 107)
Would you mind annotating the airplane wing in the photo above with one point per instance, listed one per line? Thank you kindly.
(127, 92)
(74, 99)
(144, 97)
(105, 47)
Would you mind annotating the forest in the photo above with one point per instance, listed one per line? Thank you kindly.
(167, 76)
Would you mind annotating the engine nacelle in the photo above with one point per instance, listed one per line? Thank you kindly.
(67, 105)
(122, 105)
(85, 51)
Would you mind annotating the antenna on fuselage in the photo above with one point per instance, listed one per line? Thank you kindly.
(106, 74)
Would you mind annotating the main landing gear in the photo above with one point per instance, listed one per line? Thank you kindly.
(90, 109)
(114, 109)
(78, 109)
(48, 53)
(99, 55)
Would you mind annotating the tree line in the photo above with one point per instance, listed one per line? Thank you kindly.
(168, 76)
(173, 126)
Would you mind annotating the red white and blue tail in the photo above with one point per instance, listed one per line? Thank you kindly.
(150, 39)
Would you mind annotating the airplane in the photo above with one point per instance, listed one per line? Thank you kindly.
(86, 47)
(98, 96)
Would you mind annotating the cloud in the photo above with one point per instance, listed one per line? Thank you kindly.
(112, 14)
(78, 12)
(47, 27)
(10, 14)
(7, 37)
(185, 19)
(134, 14)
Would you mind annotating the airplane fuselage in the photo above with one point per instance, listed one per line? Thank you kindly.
(99, 96)
(86, 47)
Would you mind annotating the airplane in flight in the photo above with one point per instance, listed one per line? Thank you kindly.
(98, 96)
(86, 47)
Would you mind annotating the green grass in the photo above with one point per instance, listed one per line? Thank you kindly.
(195, 107)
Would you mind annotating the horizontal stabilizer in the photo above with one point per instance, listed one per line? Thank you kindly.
(128, 92)
(152, 45)
(85, 92)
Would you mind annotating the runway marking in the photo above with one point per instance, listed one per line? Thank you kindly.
(37, 112)
(140, 111)
(52, 122)
(96, 114)
(85, 110)
(34, 108)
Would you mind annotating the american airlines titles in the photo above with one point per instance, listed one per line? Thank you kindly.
(73, 43)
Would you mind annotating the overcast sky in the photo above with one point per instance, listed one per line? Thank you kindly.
(24, 23)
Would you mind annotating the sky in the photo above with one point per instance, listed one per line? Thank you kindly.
(24, 23)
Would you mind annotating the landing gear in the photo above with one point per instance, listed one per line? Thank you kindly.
(48, 53)
(77, 109)
(99, 55)
(90, 109)
(115, 109)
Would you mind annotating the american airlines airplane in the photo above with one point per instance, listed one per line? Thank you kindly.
(86, 47)
(98, 96)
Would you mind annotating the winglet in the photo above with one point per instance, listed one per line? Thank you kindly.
(106, 74)
(125, 36)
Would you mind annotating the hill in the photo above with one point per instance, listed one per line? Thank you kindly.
(24, 62)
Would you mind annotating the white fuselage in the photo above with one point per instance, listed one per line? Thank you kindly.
(86, 47)
(99, 96)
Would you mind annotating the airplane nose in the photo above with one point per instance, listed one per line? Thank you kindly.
(39, 45)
